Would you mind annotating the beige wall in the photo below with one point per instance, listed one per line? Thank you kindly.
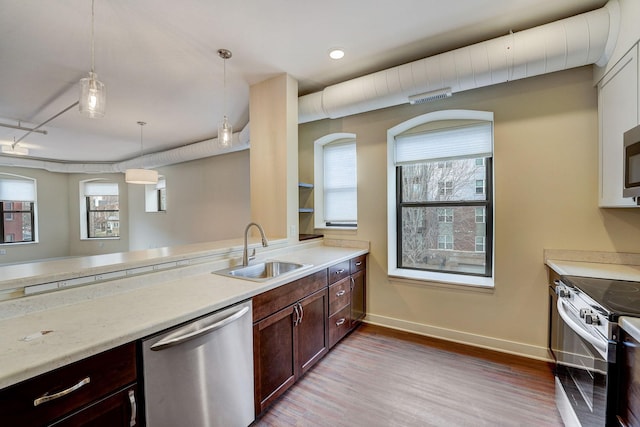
(546, 174)
(207, 200)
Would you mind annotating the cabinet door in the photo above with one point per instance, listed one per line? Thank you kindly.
(311, 330)
(358, 297)
(273, 356)
(118, 410)
(618, 112)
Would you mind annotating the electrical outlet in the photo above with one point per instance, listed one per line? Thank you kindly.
(3, 251)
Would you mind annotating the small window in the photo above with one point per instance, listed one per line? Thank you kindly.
(156, 196)
(479, 186)
(480, 243)
(17, 209)
(445, 215)
(445, 242)
(481, 216)
(100, 209)
(336, 187)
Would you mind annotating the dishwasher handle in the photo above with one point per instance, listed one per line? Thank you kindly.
(173, 340)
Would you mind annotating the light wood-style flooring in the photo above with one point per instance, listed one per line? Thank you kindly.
(381, 377)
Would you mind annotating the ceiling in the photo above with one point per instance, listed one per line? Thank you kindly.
(158, 60)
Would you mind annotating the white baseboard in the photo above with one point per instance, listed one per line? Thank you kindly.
(504, 346)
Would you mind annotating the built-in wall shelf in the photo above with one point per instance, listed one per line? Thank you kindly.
(305, 210)
(305, 185)
(309, 236)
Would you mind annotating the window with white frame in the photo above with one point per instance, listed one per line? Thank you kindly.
(335, 181)
(425, 241)
(17, 209)
(155, 196)
(99, 209)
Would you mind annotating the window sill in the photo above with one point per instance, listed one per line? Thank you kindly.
(443, 280)
(99, 238)
(336, 228)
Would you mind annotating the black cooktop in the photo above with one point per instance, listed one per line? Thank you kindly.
(618, 297)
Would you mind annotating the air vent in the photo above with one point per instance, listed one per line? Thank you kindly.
(430, 96)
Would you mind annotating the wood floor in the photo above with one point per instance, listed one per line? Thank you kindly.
(380, 377)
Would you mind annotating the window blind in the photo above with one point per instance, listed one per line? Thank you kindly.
(97, 188)
(448, 143)
(340, 182)
(22, 190)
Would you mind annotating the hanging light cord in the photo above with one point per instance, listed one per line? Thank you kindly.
(92, 25)
(141, 151)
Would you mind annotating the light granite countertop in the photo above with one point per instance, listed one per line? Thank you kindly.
(631, 325)
(90, 319)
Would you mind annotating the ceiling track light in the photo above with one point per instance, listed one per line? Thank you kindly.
(142, 175)
(93, 95)
(225, 130)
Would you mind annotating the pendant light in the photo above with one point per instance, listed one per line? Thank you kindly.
(93, 96)
(225, 130)
(141, 176)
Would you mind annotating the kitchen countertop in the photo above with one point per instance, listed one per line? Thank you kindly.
(593, 269)
(617, 266)
(631, 325)
(83, 321)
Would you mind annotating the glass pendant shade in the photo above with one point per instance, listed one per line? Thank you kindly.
(93, 96)
(141, 176)
(225, 133)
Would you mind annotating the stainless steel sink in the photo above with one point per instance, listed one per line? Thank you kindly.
(261, 271)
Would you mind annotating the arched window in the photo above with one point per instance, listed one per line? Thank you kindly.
(439, 184)
(336, 181)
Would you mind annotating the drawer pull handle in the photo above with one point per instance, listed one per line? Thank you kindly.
(49, 397)
(358, 264)
(340, 271)
(134, 408)
(341, 293)
(341, 322)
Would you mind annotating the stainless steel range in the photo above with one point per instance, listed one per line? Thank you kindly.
(583, 338)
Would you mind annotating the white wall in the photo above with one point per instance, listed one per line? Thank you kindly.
(207, 200)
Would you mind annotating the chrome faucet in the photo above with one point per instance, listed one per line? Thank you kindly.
(245, 253)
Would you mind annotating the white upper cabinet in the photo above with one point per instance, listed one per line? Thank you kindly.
(617, 113)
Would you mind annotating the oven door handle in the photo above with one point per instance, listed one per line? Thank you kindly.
(594, 341)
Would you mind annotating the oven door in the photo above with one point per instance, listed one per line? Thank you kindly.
(581, 367)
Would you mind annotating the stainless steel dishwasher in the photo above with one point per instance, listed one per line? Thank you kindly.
(201, 374)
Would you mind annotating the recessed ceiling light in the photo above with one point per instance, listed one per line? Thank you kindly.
(336, 53)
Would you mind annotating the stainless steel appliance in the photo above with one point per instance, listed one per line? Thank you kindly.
(201, 374)
(583, 338)
(631, 164)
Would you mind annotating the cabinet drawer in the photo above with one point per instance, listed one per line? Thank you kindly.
(339, 325)
(339, 295)
(276, 299)
(338, 271)
(76, 384)
(358, 263)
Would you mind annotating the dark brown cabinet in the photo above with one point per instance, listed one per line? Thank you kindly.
(347, 297)
(629, 384)
(289, 335)
(97, 391)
